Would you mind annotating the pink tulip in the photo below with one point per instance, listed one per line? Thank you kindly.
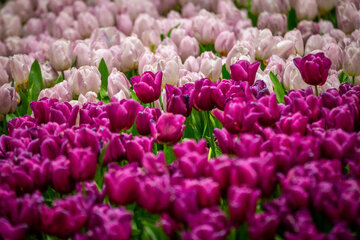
(86, 24)
(124, 24)
(225, 42)
(277, 22)
(60, 55)
(117, 82)
(84, 79)
(20, 68)
(8, 97)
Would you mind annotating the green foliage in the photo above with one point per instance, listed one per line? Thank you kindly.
(225, 73)
(278, 88)
(292, 20)
(35, 84)
(104, 71)
(59, 79)
(344, 78)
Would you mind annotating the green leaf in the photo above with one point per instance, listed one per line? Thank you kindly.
(35, 84)
(344, 78)
(104, 71)
(171, 29)
(253, 17)
(225, 73)
(278, 88)
(292, 20)
(73, 62)
(169, 154)
(59, 79)
(22, 109)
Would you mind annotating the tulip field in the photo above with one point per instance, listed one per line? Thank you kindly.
(180, 119)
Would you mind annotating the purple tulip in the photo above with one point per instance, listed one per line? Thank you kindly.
(49, 148)
(116, 150)
(193, 165)
(122, 114)
(243, 174)
(154, 165)
(259, 89)
(82, 164)
(293, 123)
(341, 117)
(10, 232)
(208, 192)
(147, 86)
(155, 194)
(185, 202)
(242, 203)
(136, 148)
(143, 119)
(314, 68)
(168, 129)
(263, 226)
(122, 183)
(61, 175)
(66, 217)
(177, 101)
(220, 170)
(207, 95)
(189, 146)
(244, 71)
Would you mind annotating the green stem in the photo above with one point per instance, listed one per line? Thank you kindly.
(316, 90)
(63, 75)
(169, 154)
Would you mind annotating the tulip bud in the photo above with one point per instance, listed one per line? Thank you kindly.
(148, 86)
(348, 16)
(155, 165)
(334, 53)
(131, 48)
(61, 175)
(60, 55)
(296, 37)
(188, 46)
(83, 54)
(351, 58)
(208, 192)
(8, 231)
(225, 42)
(11, 25)
(308, 28)
(82, 164)
(277, 6)
(122, 114)
(61, 91)
(206, 28)
(86, 24)
(168, 129)
(143, 119)
(178, 102)
(8, 99)
(277, 23)
(264, 44)
(241, 51)
(211, 66)
(117, 82)
(84, 79)
(20, 68)
(314, 69)
(104, 16)
(207, 95)
(292, 78)
(243, 174)
(306, 9)
(155, 194)
(124, 24)
(244, 71)
(242, 203)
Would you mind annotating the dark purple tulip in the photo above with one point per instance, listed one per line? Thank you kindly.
(147, 86)
(207, 95)
(185, 202)
(85, 137)
(170, 226)
(243, 174)
(220, 170)
(122, 183)
(338, 143)
(154, 165)
(263, 226)
(143, 119)
(49, 148)
(61, 175)
(259, 89)
(293, 123)
(341, 117)
(82, 164)
(177, 101)
(340, 231)
(244, 71)
(191, 145)
(193, 165)
(331, 99)
(66, 217)
(168, 129)
(208, 192)
(10, 232)
(136, 148)
(314, 68)
(116, 150)
(242, 203)
(122, 114)
(109, 223)
(238, 117)
(155, 194)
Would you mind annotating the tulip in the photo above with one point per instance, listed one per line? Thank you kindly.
(20, 68)
(210, 66)
(206, 28)
(243, 174)
(117, 82)
(263, 226)
(244, 71)
(136, 148)
(83, 53)
(8, 231)
(351, 57)
(61, 175)
(306, 9)
(86, 24)
(11, 25)
(314, 69)
(124, 24)
(208, 192)
(264, 46)
(155, 165)
(188, 46)
(84, 79)
(241, 51)
(189, 146)
(131, 48)
(82, 164)
(178, 102)
(155, 194)
(278, 6)
(277, 23)
(168, 129)
(225, 42)
(296, 37)
(148, 86)
(206, 95)
(104, 16)
(122, 183)
(60, 55)
(8, 98)
(122, 114)
(334, 53)
(242, 203)
(193, 165)
(347, 16)
(143, 119)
